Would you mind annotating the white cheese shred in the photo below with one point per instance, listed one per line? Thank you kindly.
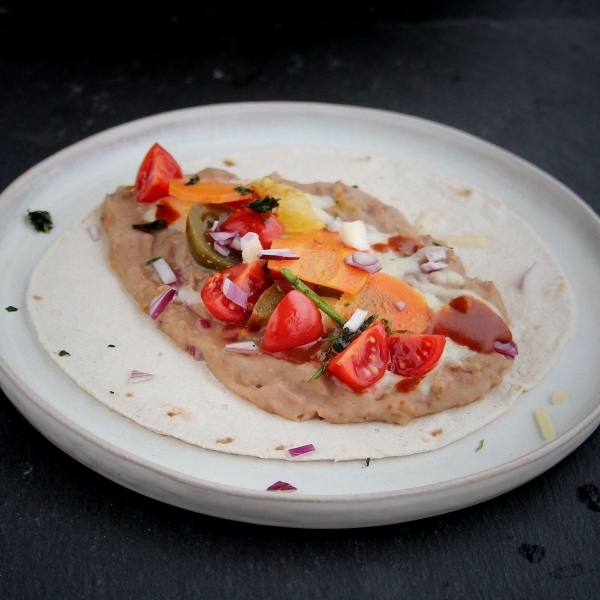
(545, 424)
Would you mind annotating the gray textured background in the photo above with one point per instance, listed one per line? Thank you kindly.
(524, 76)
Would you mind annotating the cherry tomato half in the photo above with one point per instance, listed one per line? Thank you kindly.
(364, 361)
(413, 354)
(249, 278)
(267, 226)
(296, 321)
(155, 172)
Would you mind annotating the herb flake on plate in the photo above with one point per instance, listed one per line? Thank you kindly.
(41, 220)
(11, 309)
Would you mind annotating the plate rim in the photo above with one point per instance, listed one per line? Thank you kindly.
(99, 139)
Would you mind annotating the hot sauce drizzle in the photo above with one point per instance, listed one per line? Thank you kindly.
(470, 322)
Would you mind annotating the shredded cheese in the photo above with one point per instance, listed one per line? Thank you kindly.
(544, 423)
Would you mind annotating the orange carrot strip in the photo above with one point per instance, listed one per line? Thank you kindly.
(321, 261)
(207, 191)
(379, 296)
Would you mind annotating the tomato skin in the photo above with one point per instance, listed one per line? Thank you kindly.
(414, 354)
(267, 226)
(296, 321)
(154, 174)
(250, 278)
(364, 362)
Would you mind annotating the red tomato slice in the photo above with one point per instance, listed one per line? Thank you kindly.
(268, 226)
(155, 172)
(364, 361)
(250, 278)
(296, 321)
(413, 354)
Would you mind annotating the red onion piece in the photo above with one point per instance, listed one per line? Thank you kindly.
(224, 250)
(234, 293)
(428, 267)
(93, 231)
(164, 271)
(364, 261)
(436, 255)
(223, 236)
(506, 348)
(194, 352)
(278, 254)
(242, 347)
(180, 275)
(139, 376)
(203, 324)
(215, 226)
(281, 486)
(356, 320)
(300, 450)
(400, 305)
(161, 302)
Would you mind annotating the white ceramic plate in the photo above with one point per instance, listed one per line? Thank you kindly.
(331, 495)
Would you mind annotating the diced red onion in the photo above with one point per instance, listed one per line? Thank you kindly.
(242, 347)
(203, 324)
(527, 277)
(400, 305)
(235, 243)
(334, 224)
(356, 320)
(161, 302)
(428, 267)
(221, 249)
(365, 261)
(436, 255)
(180, 274)
(281, 486)
(277, 254)
(300, 450)
(215, 226)
(93, 231)
(194, 352)
(234, 293)
(140, 376)
(506, 348)
(164, 271)
(224, 237)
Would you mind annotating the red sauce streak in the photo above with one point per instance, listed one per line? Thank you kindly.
(470, 322)
(408, 384)
(398, 244)
(167, 213)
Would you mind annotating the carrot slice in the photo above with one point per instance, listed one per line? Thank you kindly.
(207, 191)
(321, 261)
(380, 295)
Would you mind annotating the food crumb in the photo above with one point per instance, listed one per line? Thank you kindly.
(63, 353)
(280, 447)
(226, 440)
(436, 432)
(228, 162)
(559, 396)
(544, 423)
(480, 446)
(532, 552)
(129, 395)
(36, 297)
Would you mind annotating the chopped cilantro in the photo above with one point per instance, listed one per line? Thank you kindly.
(355, 186)
(480, 446)
(193, 180)
(11, 309)
(319, 372)
(368, 462)
(63, 353)
(149, 262)
(152, 226)
(40, 219)
(111, 345)
(111, 392)
(265, 205)
(244, 191)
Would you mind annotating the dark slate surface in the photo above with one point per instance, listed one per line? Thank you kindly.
(521, 78)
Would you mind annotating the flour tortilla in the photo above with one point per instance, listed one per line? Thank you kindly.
(84, 308)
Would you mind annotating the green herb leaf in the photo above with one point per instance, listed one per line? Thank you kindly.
(435, 244)
(355, 186)
(152, 226)
(368, 461)
(111, 345)
(265, 205)
(480, 446)
(40, 219)
(11, 309)
(149, 262)
(319, 372)
(388, 327)
(244, 191)
(346, 337)
(193, 180)
(111, 392)
(63, 353)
